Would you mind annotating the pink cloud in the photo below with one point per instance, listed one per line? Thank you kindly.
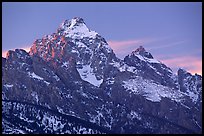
(167, 45)
(122, 48)
(129, 45)
(190, 63)
(120, 45)
(117, 45)
(4, 54)
(27, 49)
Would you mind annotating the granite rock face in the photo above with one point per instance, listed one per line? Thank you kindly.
(151, 68)
(72, 82)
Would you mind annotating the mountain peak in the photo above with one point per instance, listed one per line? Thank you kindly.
(70, 23)
(141, 51)
(78, 20)
(16, 54)
(76, 28)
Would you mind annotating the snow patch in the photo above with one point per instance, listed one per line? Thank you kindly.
(134, 114)
(47, 82)
(65, 64)
(78, 31)
(8, 85)
(197, 123)
(33, 75)
(74, 51)
(35, 95)
(185, 106)
(110, 81)
(60, 110)
(147, 59)
(87, 74)
(123, 67)
(152, 91)
(80, 44)
(56, 77)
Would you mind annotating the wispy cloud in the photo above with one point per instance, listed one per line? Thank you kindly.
(166, 45)
(27, 49)
(122, 48)
(118, 45)
(4, 53)
(127, 46)
(148, 43)
(190, 63)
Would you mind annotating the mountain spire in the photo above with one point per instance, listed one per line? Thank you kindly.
(141, 51)
(76, 28)
(72, 22)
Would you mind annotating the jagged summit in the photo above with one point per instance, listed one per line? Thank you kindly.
(71, 32)
(17, 53)
(72, 22)
(74, 40)
(79, 20)
(76, 28)
(141, 51)
(142, 55)
(150, 67)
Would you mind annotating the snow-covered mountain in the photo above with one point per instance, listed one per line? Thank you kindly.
(73, 73)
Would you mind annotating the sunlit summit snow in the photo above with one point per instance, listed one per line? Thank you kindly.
(76, 28)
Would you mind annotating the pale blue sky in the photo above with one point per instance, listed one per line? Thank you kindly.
(170, 31)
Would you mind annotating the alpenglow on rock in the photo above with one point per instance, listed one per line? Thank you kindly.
(71, 82)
